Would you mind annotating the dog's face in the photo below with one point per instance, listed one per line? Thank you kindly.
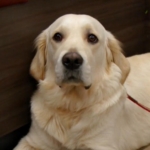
(76, 49)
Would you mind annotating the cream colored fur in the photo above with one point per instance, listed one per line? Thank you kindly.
(67, 116)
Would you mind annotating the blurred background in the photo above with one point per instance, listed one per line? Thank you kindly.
(20, 23)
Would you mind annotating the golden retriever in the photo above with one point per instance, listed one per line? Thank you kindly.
(84, 79)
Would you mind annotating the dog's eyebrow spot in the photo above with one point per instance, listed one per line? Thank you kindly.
(88, 29)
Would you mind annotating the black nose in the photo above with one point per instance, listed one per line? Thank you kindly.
(72, 60)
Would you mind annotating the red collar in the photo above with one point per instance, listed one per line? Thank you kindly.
(137, 103)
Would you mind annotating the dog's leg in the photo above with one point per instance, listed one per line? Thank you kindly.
(24, 145)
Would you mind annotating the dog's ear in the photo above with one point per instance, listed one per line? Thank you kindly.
(117, 56)
(37, 68)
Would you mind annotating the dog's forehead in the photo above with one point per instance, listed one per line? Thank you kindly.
(72, 21)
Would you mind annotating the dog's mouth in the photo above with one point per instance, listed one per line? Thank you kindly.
(73, 77)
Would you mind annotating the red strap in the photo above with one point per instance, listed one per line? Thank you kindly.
(137, 103)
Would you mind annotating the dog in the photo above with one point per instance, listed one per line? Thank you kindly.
(84, 80)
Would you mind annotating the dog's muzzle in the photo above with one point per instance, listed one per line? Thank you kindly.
(72, 62)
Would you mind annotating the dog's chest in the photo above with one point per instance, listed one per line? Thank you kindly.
(69, 128)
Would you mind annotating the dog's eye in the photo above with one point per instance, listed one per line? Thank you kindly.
(58, 37)
(92, 39)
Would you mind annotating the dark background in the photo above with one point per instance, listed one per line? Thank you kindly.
(129, 20)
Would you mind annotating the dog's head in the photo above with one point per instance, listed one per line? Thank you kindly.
(76, 50)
